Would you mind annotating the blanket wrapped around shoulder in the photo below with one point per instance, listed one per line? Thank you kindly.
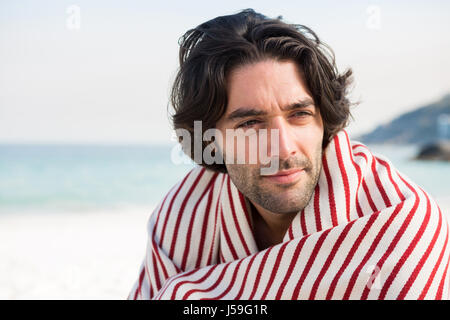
(368, 232)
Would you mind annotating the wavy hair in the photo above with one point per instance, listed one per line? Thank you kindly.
(209, 52)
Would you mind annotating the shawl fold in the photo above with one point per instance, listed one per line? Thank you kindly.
(368, 232)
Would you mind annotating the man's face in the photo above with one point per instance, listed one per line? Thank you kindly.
(273, 95)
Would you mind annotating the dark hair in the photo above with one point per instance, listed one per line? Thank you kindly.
(210, 51)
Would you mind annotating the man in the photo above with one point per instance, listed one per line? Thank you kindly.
(329, 221)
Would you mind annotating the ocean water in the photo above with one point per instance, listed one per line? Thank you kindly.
(79, 178)
(85, 177)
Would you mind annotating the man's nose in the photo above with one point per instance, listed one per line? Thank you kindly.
(287, 146)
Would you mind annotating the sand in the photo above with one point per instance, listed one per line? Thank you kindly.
(76, 255)
(88, 255)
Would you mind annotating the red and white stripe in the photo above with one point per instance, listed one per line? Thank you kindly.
(367, 233)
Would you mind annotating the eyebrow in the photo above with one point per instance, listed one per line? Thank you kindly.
(245, 112)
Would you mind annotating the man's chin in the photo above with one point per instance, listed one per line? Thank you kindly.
(288, 202)
(282, 207)
(285, 198)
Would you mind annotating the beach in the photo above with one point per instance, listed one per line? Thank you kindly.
(88, 255)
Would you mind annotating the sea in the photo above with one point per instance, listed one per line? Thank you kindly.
(79, 178)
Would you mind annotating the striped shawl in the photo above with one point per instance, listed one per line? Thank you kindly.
(368, 232)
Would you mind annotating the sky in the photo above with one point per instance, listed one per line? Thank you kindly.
(101, 71)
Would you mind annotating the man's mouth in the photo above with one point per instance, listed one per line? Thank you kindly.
(285, 176)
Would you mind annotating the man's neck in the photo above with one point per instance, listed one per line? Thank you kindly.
(269, 228)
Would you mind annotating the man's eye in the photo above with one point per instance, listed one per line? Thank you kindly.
(301, 114)
(248, 124)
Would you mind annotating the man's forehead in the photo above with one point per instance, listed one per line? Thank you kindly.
(264, 76)
(265, 84)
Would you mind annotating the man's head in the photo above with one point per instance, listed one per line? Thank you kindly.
(273, 95)
(249, 72)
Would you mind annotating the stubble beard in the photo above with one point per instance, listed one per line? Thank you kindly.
(279, 199)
